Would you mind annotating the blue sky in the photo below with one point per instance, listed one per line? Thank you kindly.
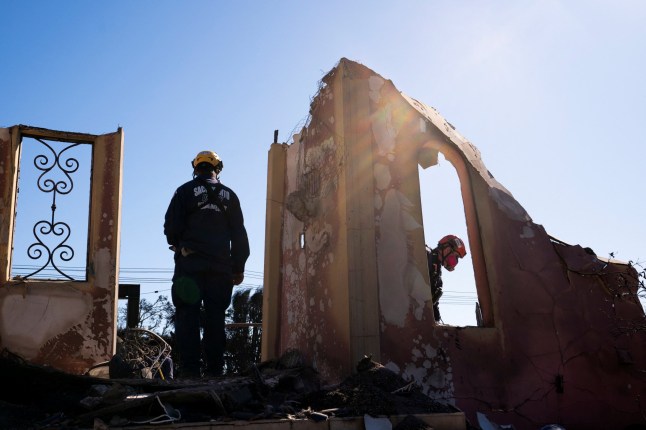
(551, 92)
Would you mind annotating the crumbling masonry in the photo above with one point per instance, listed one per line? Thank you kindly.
(66, 324)
(346, 273)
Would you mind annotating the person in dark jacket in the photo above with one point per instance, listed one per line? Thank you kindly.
(204, 226)
(447, 254)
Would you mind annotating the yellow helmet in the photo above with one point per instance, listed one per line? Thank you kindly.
(209, 157)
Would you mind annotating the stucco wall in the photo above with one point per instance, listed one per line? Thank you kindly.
(549, 350)
(69, 325)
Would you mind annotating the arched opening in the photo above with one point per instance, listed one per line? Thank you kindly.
(443, 213)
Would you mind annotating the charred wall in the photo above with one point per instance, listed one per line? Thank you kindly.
(346, 273)
(70, 325)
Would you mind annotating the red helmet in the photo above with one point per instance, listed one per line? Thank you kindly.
(455, 243)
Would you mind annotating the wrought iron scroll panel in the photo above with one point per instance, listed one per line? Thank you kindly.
(51, 245)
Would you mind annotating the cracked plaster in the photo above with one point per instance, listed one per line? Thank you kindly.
(550, 304)
(70, 325)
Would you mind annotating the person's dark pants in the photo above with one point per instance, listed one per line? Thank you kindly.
(194, 283)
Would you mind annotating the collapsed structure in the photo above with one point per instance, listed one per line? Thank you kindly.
(346, 272)
(69, 324)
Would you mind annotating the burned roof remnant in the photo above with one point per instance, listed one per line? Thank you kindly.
(358, 282)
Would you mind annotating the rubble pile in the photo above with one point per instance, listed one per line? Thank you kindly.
(39, 397)
(376, 390)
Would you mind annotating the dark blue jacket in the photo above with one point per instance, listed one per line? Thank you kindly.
(194, 222)
(435, 275)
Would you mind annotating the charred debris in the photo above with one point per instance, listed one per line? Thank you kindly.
(38, 397)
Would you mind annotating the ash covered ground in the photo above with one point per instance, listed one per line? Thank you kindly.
(36, 397)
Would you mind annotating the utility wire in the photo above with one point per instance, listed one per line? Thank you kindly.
(128, 275)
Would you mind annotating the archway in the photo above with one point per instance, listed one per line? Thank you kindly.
(443, 213)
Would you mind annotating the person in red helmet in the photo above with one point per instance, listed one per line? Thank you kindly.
(447, 254)
(204, 226)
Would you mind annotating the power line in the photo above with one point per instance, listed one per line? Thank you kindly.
(243, 285)
(128, 275)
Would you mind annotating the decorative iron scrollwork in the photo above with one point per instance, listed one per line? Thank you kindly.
(53, 229)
